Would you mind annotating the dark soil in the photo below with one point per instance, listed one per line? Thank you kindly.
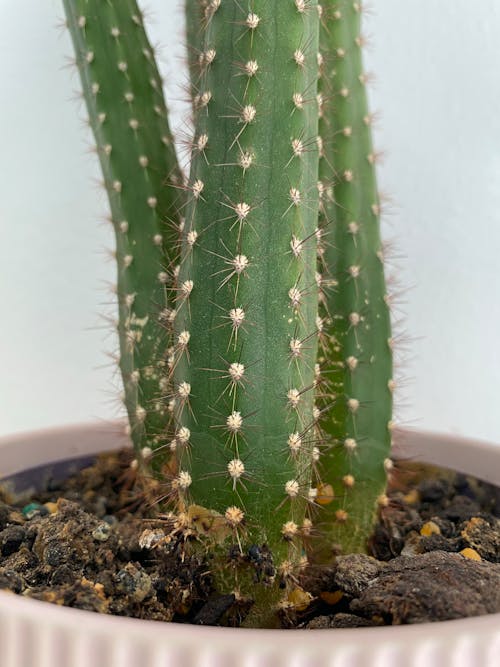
(93, 543)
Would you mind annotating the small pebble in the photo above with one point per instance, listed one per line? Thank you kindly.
(151, 538)
(134, 582)
(430, 528)
(34, 509)
(102, 532)
(412, 498)
(51, 507)
(299, 599)
(331, 597)
(470, 553)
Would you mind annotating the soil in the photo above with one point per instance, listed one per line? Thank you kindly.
(92, 542)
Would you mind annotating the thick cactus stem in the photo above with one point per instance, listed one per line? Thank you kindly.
(128, 116)
(355, 374)
(247, 297)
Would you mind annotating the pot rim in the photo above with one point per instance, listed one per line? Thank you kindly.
(146, 629)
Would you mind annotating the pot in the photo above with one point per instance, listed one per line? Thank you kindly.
(38, 634)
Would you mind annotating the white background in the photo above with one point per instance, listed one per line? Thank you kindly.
(438, 90)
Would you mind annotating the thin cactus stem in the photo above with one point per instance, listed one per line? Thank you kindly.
(123, 93)
(355, 373)
(247, 297)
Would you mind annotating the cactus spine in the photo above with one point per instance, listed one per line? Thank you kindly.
(128, 116)
(356, 359)
(246, 297)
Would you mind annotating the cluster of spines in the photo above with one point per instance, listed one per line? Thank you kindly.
(355, 385)
(244, 354)
(128, 116)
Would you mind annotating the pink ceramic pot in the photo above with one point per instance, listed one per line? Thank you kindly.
(37, 634)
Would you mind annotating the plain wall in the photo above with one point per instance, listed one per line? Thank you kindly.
(438, 91)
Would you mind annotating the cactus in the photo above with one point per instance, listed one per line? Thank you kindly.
(127, 113)
(245, 347)
(356, 359)
(278, 443)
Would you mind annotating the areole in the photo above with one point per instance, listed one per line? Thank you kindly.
(37, 634)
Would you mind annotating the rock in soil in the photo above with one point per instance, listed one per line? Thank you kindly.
(355, 572)
(339, 620)
(435, 586)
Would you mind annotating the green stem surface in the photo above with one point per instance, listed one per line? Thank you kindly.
(247, 294)
(124, 97)
(355, 393)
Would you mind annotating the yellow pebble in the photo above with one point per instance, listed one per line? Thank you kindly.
(430, 528)
(412, 498)
(331, 597)
(99, 589)
(470, 553)
(299, 599)
(52, 507)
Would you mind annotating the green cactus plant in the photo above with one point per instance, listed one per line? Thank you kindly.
(247, 296)
(356, 356)
(219, 325)
(128, 116)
